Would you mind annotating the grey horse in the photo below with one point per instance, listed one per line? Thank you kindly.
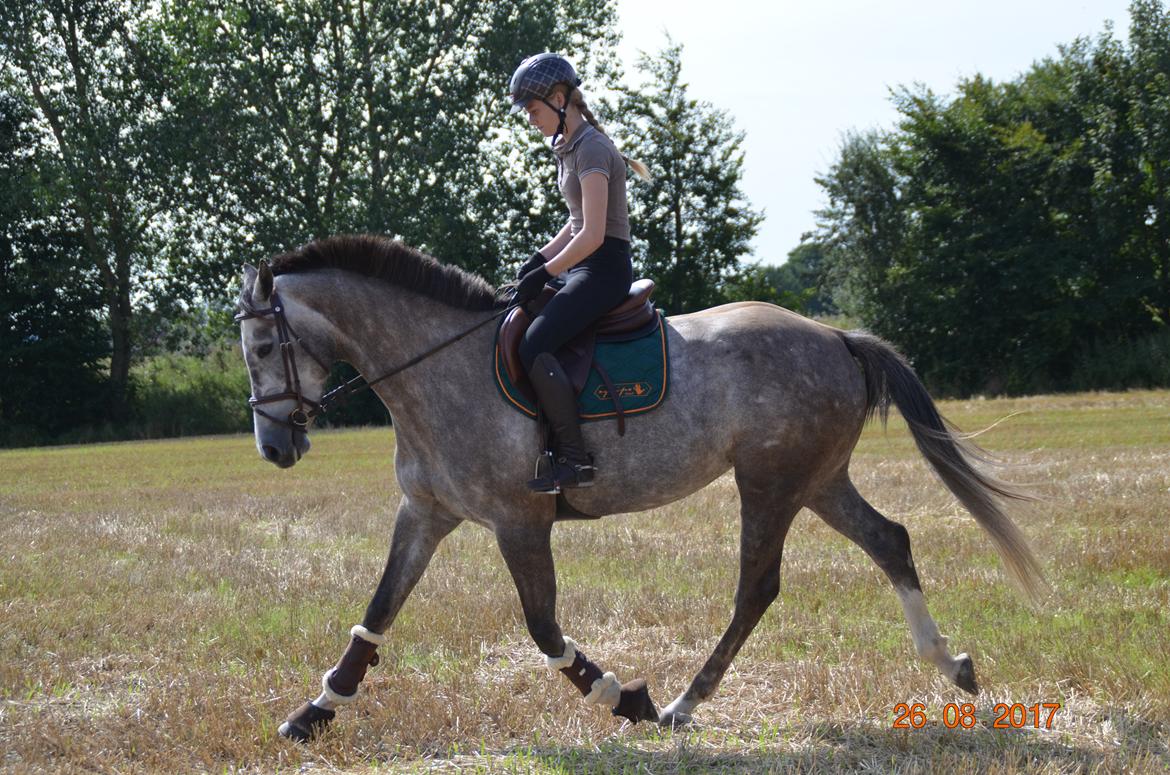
(776, 397)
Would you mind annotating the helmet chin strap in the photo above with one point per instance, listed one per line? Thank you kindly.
(561, 113)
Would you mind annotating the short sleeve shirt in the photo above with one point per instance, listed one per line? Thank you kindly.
(590, 152)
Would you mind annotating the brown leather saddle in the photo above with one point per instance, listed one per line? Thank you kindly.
(633, 316)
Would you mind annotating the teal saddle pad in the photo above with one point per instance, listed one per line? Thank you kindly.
(638, 369)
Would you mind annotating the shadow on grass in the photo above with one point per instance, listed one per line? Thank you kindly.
(1135, 745)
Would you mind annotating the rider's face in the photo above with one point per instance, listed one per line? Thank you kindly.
(542, 116)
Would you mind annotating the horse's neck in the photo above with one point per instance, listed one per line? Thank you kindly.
(378, 327)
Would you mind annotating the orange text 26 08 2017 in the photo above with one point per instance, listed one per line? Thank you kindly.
(1005, 715)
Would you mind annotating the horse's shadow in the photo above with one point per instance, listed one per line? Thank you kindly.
(836, 747)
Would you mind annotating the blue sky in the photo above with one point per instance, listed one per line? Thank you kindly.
(796, 76)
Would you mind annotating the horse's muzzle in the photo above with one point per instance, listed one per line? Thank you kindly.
(287, 454)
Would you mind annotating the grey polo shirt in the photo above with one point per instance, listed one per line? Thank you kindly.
(590, 152)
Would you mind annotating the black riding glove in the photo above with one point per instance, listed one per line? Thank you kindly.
(537, 259)
(531, 284)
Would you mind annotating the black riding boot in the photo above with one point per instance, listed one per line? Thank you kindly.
(572, 466)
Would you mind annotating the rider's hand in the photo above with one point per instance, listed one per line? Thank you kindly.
(531, 284)
(537, 259)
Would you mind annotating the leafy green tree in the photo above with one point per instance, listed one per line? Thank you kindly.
(691, 222)
(52, 346)
(999, 234)
(324, 116)
(169, 141)
(97, 149)
(800, 282)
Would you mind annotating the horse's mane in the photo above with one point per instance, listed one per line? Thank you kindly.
(390, 260)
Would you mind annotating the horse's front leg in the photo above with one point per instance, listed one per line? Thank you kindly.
(418, 530)
(527, 551)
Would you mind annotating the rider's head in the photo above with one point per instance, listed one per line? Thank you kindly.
(545, 86)
(543, 83)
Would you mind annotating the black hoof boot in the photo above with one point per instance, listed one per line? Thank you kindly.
(305, 723)
(635, 703)
(965, 678)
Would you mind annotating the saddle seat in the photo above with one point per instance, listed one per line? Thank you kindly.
(633, 315)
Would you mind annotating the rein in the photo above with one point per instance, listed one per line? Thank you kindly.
(300, 417)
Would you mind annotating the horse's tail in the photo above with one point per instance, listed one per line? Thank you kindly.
(889, 377)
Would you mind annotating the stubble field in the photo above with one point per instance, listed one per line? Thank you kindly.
(164, 605)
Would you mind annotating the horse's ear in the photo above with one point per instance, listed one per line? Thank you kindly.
(249, 276)
(262, 287)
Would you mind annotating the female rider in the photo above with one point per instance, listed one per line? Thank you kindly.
(593, 248)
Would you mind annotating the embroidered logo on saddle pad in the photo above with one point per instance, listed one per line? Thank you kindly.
(635, 366)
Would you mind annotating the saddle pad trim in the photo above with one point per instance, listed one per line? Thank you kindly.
(500, 381)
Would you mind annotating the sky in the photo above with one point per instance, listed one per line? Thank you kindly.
(796, 76)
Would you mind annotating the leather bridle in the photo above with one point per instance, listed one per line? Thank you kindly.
(300, 417)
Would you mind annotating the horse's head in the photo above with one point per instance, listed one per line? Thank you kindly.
(287, 378)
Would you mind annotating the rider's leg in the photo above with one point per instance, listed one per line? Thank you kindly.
(593, 288)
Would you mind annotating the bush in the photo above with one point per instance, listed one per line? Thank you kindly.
(1118, 365)
(183, 395)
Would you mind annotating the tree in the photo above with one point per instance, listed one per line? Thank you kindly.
(97, 147)
(800, 283)
(325, 116)
(51, 344)
(172, 141)
(999, 235)
(691, 222)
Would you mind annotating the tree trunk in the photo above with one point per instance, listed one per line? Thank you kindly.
(121, 315)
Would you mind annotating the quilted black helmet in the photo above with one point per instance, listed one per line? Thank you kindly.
(536, 76)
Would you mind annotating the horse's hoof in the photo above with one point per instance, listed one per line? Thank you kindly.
(675, 720)
(305, 723)
(635, 703)
(965, 677)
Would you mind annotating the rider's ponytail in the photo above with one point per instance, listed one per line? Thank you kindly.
(577, 99)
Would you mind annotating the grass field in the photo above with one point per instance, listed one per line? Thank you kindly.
(164, 605)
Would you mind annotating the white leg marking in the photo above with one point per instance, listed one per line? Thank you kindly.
(931, 645)
(678, 711)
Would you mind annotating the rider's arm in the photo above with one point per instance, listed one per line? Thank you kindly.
(557, 243)
(594, 198)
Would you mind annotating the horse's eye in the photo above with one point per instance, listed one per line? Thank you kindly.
(264, 351)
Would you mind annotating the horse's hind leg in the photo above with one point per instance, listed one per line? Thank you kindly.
(888, 544)
(417, 533)
(767, 509)
(528, 553)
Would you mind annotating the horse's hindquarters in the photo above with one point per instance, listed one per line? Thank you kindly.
(751, 385)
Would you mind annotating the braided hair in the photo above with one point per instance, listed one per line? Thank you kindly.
(575, 98)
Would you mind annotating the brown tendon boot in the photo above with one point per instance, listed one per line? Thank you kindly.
(572, 466)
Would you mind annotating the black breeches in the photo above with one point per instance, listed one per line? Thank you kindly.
(594, 287)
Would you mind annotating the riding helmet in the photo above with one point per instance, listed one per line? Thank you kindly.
(536, 76)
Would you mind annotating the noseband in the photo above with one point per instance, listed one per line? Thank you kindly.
(300, 417)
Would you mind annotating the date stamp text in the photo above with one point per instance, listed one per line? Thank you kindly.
(1014, 715)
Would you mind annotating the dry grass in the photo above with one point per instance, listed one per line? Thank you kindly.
(164, 605)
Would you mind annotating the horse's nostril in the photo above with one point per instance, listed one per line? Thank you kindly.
(271, 454)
